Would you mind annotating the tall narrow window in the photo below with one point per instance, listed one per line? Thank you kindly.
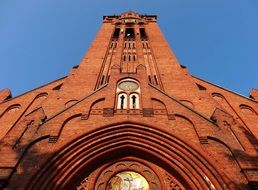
(134, 101)
(116, 33)
(122, 101)
(143, 33)
(129, 33)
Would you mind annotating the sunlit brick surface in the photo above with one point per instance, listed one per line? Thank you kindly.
(178, 131)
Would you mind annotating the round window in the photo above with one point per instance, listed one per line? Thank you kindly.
(128, 85)
(128, 180)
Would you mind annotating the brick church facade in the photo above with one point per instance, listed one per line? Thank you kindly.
(129, 117)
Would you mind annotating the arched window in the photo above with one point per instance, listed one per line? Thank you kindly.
(122, 101)
(134, 101)
(128, 91)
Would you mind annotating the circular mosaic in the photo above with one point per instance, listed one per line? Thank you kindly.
(128, 180)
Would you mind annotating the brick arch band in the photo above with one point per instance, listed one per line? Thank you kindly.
(82, 157)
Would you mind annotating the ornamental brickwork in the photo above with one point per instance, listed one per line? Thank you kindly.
(129, 116)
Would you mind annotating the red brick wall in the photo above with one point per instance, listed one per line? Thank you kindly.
(190, 137)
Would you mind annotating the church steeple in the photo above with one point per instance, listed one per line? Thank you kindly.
(129, 116)
(129, 47)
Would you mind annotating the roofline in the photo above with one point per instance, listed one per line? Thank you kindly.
(64, 109)
(141, 15)
(226, 89)
(33, 89)
(178, 101)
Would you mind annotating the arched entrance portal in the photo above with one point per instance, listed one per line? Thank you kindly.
(129, 173)
(93, 162)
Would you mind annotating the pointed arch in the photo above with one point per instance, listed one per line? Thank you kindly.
(91, 150)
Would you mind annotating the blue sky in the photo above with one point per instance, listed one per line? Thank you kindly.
(41, 40)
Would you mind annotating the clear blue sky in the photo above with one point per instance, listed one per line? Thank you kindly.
(40, 40)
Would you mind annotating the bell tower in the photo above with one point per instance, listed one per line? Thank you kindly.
(129, 116)
(129, 47)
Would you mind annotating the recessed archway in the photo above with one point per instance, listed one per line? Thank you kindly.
(110, 144)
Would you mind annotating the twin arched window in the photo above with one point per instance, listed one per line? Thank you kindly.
(128, 94)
